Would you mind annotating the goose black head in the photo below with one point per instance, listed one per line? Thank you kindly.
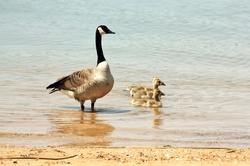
(104, 30)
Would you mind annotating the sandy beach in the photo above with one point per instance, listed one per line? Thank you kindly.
(93, 153)
(71, 155)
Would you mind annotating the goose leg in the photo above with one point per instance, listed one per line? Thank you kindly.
(82, 106)
(92, 105)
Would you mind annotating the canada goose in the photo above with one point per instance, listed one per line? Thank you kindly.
(149, 102)
(145, 91)
(88, 84)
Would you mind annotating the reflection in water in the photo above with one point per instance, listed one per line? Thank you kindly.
(157, 121)
(87, 117)
(79, 123)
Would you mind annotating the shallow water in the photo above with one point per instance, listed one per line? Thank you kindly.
(199, 49)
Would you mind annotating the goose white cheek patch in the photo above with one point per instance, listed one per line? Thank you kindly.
(101, 31)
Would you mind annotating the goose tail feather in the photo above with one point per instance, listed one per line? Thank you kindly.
(53, 90)
(56, 85)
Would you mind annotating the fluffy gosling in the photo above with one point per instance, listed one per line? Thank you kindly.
(149, 103)
(145, 92)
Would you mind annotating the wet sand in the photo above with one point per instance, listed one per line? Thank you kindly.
(92, 151)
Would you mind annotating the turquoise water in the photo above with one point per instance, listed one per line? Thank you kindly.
(200, 49)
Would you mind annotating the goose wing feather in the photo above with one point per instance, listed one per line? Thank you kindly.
(77, 79)
(72, 81)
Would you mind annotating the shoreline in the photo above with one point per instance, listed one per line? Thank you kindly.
(25, 139)
(51, 149)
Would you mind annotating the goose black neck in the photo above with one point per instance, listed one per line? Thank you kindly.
(98, 42)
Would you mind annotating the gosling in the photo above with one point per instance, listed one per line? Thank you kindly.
(155, 103)
(145, 92)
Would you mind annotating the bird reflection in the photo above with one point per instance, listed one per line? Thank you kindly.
(87, 117)
(79, 123)
(157, 121)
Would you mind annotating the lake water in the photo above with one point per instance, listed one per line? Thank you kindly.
(200, 49)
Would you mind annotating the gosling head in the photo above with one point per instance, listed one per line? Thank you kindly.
(103, 29)
(157, 94)
(157, 82)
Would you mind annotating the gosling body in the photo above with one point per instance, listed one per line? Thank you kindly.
(145, 92)
(149, 102)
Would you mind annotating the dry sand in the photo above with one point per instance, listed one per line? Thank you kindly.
(78, 155)
(94, 151)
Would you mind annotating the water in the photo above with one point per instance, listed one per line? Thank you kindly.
(200, 49)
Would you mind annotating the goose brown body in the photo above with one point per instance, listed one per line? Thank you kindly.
(89, 84)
